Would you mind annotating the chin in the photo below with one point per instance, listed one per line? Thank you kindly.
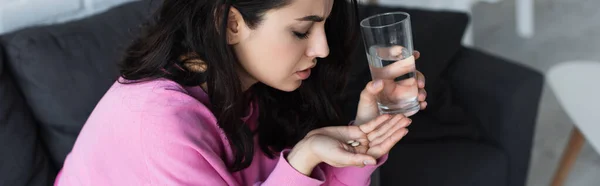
(289, 87)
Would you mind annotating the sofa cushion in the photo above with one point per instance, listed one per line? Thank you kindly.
(24, 159)
(447, 163)
(63, 70)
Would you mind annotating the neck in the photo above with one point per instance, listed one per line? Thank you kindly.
(245, 79)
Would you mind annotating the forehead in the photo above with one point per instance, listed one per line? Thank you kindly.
(301, 8)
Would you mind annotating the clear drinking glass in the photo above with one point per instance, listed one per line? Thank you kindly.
(388, 39)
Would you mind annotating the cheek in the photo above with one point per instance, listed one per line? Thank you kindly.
(285, 54)
(273, 57)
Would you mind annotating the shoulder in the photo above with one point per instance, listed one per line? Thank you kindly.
(161, 110)
(140, 128)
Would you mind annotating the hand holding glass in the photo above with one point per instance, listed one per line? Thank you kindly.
(389, 47)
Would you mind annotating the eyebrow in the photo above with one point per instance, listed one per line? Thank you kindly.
(313, 18)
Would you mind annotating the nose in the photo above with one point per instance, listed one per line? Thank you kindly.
(318, 46)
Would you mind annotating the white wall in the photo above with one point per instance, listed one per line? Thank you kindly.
(17, 14)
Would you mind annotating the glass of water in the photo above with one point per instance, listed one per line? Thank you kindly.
(388, 39)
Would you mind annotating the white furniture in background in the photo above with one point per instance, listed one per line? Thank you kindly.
(525, 15)
(465, 6)
(524, 12)
(577, 88)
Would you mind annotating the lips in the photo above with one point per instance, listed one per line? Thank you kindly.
(304, 74)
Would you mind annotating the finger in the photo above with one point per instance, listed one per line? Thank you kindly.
(338, 132)
(420, 79)
(377, 141)
(393, 52)
(388, 143)
(372, 125)
(396, 69)
(423, 105)
(403, 124)
(384, 128)
(417, 54)
(422, 95)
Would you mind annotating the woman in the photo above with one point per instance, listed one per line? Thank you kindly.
(186, 108)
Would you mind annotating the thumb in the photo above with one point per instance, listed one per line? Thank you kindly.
(350, 158)
(361, 160)
(369, 94)
(375, 86)
(367, 105)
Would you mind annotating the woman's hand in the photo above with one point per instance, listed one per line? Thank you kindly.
(331, 145)
(319, 148)
(367, 106)
(375, 138)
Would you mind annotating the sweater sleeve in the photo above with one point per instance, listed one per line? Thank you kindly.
(351, 176)
(177, 152)
(285, 174)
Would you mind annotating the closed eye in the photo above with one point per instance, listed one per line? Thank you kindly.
(302, 35)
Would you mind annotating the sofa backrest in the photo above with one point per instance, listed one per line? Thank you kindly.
(63, 70)
(23, 159)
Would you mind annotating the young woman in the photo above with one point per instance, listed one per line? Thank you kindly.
(237, 92)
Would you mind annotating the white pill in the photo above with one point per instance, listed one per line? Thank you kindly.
(350, 142)
(355, 144)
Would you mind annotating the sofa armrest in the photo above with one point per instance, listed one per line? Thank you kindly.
(504, 98)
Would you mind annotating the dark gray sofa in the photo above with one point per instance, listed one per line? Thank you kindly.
(478, 129)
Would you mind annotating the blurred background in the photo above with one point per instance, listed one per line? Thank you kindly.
(539, 34)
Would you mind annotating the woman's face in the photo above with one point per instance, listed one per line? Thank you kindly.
(283, 47)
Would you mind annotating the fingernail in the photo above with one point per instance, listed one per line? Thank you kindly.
(369, 162)
(406, 132)
(409, 122)
(377, 84)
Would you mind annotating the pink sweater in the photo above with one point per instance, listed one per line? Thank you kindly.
(160, 133)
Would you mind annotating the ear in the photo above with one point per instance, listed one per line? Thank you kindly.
(237, 30)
